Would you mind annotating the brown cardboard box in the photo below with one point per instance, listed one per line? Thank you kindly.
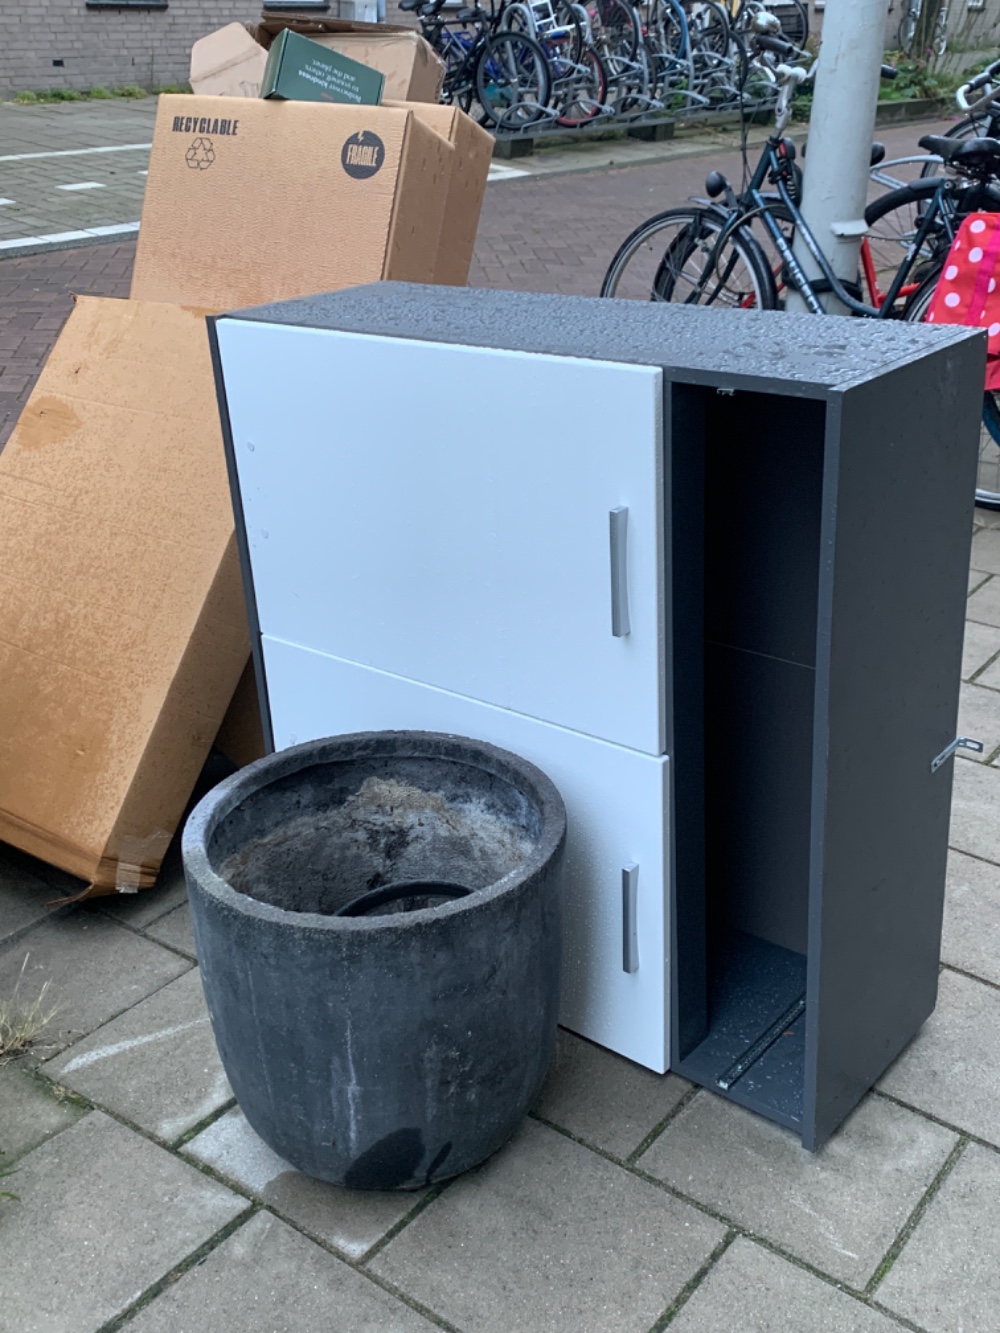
(253, 201)
(473, 153)
(413, 70)
(122, 625)
(227, 63)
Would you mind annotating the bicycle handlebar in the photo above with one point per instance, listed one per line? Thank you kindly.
(888, 71)
(983, 80)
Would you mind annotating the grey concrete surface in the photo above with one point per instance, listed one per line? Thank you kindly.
(102, 1214)
(547, 1236)
(350, 1221)
(751, 1290)
(982, 644)
(89, 968)
(948, 1279)
(950, 1070)
(971, 937)
(839, 1209)
(156, 1065)
(604, 1100)
(30, 1112)
(268, 1277)
(174, 929)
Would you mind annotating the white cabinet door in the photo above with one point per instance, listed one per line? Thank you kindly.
(443, 513)
(616, 803)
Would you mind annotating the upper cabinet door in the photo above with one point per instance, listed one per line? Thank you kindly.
(487, 522)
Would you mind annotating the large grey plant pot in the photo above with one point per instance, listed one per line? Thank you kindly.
(380, 1052)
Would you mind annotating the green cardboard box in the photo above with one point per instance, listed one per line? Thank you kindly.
(301, 70)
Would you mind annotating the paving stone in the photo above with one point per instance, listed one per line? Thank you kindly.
(976, 578)
(971, 937)
(94, 968)
(176, 930)
(986, 551)
(947, 1278)
(950, 1069)
(991, 675)
(267, 1277)
(604, 1099)
(839, 1209)
(984, 604)
(981, 643)
(103, 1214)
(24, 898)
(979, 717)
(751, 1290)
(547, 1237)
(29, 1112)
(975, 801)
(156, 1064)
(350, 1220)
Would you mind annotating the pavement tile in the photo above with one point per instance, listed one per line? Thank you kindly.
(103, 1214)
(94, 968)
(971, 937)
(352, 1221)
(156, 1064)
(24, 898)
(174, 929)
(947, 1278)
(981, 643)
(547, 1237)
(976, 577)
(979, 717)
(265, 1276)
(991, 675)
(986, 551)
(751, 1290)
(984, 604)
(950, 1069)
(30, 1113)
(604, 1099)
(975, 802)
(839, 1209)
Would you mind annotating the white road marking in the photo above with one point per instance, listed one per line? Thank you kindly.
(56, 237)
(6, 201)
(76, 152)
(498, 172)
(83, 185)
(129, 1044)
(142, 173)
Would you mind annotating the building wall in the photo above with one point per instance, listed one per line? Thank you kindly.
(105, 47)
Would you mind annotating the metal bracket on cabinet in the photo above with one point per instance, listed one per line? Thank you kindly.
(959, 743)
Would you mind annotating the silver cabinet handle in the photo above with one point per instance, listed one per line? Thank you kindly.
(630, 930)
(620, 623)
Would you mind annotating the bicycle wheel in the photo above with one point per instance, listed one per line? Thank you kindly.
(513, 81)
(988, 475)
(671, 258)
(581, 91)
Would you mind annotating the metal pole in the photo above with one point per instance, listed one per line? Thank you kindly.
(841, 127)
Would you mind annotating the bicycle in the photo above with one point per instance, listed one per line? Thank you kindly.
(708, 254)
(908, 24)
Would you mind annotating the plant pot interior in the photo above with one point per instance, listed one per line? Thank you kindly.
(317, 839)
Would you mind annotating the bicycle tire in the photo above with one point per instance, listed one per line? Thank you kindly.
(503, 58)
(691, 226)
(598, 83)
(988, 474)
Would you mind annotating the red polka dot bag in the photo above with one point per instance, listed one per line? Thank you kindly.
(968, 291)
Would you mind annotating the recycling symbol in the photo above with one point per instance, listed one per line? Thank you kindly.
(200, 155)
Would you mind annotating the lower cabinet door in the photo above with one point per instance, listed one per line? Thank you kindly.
(615, 980)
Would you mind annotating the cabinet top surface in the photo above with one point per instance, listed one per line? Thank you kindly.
(756, 349)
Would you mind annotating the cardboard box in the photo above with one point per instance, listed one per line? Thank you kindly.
(228, 63)
(413, 70)
(473, 153)
(299, 69)
(255, 201)
(122, 624)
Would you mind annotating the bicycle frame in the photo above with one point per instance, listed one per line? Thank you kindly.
(772, 163)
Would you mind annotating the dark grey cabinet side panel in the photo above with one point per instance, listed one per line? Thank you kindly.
(898, 521)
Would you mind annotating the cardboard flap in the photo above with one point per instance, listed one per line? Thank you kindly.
(228, 61)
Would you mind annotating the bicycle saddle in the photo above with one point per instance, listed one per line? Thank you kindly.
(469, 15)
(965, 152)
(409, 4)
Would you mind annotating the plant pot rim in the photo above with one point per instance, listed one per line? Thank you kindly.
(225, 797)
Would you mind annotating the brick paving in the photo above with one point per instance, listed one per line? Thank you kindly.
(628, 1203)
